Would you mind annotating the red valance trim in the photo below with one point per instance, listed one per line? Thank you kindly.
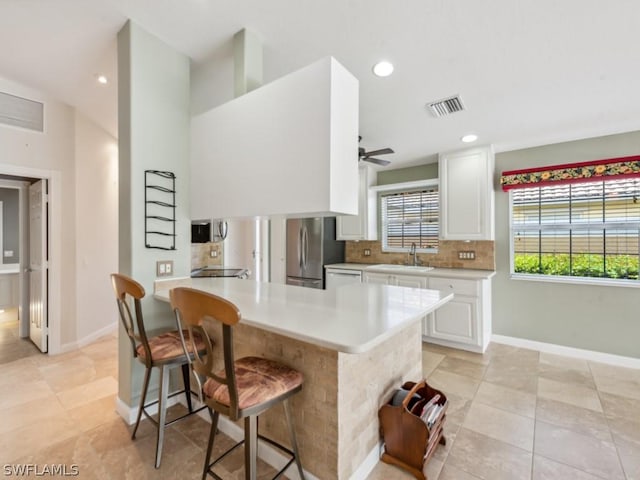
(595, 170)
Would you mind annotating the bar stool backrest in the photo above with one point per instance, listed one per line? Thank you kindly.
(192, 307)
(129, 291)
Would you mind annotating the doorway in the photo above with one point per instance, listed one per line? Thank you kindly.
(20, 262)
(247, 246)
(14, 257)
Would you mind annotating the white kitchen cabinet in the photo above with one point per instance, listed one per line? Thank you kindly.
(465, 321)
(364, 225)
(412, 281)
(466, 194)
(381, 278)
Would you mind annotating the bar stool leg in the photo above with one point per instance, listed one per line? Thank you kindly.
(143, 396)
(212, 436)
(162, 411)
(250, 447)
(187, 385)
(292, 434)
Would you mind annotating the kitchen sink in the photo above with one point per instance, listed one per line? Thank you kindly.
(391, 268)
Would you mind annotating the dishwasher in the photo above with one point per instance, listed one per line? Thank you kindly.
(336, 277)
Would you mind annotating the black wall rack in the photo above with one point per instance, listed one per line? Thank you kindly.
(159, 210)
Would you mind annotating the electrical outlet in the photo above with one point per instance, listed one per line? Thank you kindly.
(8, 253)
(367, 252)
(164, 268)
(467, 255)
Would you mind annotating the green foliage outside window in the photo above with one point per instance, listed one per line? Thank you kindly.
(577, 265)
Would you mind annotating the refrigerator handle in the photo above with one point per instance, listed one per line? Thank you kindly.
(300, 248)
(305, 237)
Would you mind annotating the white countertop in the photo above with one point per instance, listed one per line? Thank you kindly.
(349, 266)
(352, 319)
(467, 273)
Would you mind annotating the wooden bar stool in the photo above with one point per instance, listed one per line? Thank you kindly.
(163, 351)
(244, 388)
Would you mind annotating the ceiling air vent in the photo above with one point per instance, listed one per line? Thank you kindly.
(446, 106)
(21, 112)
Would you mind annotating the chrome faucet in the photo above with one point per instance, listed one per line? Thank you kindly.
(412, 251)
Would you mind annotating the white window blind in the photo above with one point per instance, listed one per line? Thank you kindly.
(411, 217)
(577, 229)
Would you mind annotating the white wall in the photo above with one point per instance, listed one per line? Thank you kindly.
(96, 192)
(589, 317)
(51, 151)
(153, 134)
(83, 156)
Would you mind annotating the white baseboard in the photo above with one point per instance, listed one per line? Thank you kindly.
(129, 414)
(590, 355)
(92, 337)
(370, 462)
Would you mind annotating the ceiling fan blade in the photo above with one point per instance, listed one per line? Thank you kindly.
(382, 151)
(377, 161)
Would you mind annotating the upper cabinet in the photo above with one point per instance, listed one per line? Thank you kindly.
(466, 194)
(364, 225)
(286, 148)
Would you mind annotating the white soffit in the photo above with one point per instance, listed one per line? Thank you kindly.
(286, 148)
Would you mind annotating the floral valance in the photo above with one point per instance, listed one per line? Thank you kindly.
(570, 173)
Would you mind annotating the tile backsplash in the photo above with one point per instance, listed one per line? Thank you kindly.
(201, 254)
(447, 256)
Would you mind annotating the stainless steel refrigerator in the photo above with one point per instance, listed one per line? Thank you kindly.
(311, 244)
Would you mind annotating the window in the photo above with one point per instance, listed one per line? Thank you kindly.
(577, 229)
(411, 217)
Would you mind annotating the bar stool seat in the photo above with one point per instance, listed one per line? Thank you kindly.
(168, 346)
(244, 388)
(258, 381)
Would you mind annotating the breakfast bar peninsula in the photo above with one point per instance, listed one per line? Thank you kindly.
(354, 345)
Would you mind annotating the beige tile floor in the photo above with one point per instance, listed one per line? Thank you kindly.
(12, 346)
(514, 414)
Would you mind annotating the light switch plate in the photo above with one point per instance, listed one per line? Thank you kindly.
(467, 255)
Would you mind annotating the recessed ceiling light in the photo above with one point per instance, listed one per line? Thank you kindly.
(102, 80)
(383, 69)
(472, 137)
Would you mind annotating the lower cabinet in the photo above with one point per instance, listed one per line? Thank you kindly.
(412, 281)
(465, 321)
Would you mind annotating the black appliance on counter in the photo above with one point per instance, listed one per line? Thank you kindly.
(200, 231)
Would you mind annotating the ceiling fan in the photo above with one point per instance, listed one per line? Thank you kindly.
(367, 156)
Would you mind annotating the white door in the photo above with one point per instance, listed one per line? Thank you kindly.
(38, 274)
(412, 281)
(247, 245)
